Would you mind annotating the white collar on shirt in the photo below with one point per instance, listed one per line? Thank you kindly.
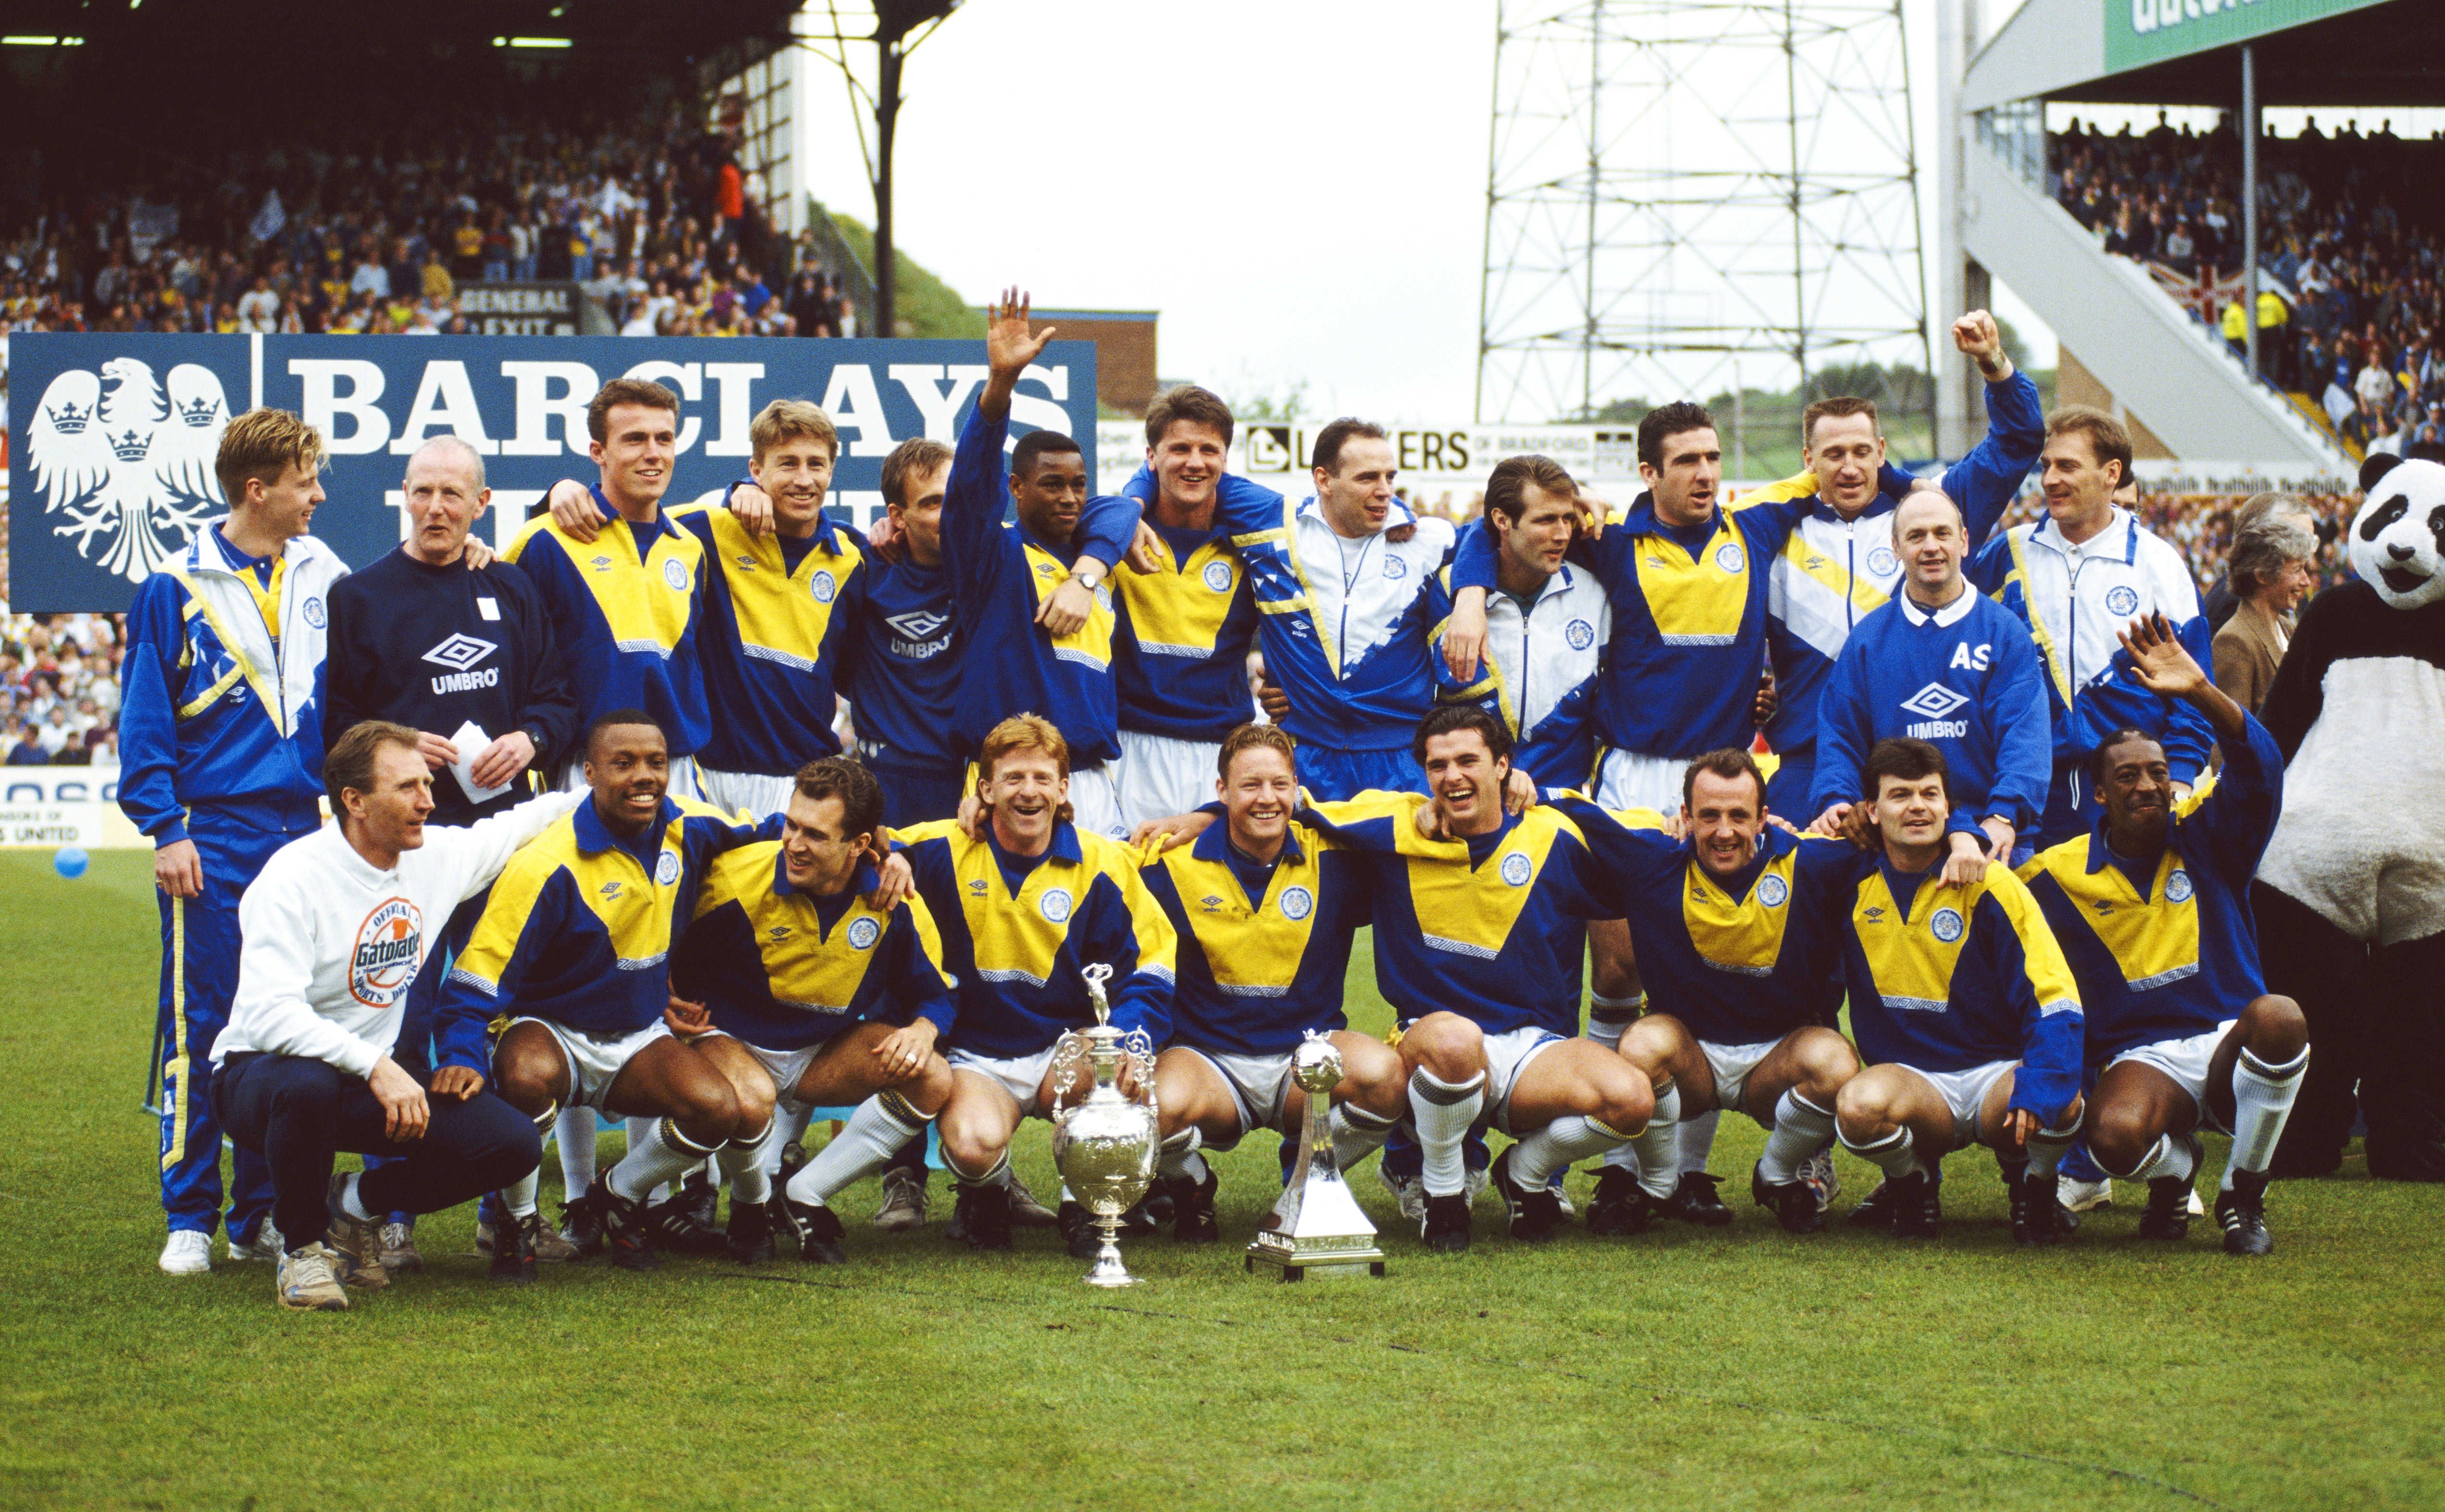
(1949, 616)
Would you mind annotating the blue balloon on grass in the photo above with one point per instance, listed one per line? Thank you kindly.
(69, 860)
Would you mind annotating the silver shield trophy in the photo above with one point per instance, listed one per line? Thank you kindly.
(1105, 1145)
(1316, 1227)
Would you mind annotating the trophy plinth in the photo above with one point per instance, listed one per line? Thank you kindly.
(1105, 1145)
(1316, 1227)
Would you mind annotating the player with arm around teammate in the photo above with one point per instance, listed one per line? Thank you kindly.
(792, 982)
(575, 945)
(1733, 920)
(1023, 905)
(1962, 1007)
(1263, 908)
(2153, 910)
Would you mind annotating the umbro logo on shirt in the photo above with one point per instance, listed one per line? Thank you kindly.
(460, 654)
(919, 634)
(608, 890)
(777, 933)
(1933, 703)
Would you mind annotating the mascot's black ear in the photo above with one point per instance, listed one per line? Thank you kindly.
(2378, 465)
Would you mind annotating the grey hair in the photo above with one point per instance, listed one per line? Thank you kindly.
(467, 454)
(2259, 506)
(2264, 548)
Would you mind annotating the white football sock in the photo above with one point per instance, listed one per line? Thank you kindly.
(2262, 1100)
(1696, 1139)
(1179, 1158)
(1356, 1134)
(1574, 1136)
(574, 1131)
(998, 1175)
(742, 1162)
(866, 1144)
(2046, 1147)
(520, 1195)
(1655, 1152)
(2169, 1158)
(1800, 1130)
(1443, 1111)
(1609, 1016)
(348, 1203)
(1892, 1155)
(662, 1154)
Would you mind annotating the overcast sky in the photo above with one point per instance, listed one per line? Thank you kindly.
(1298, 187)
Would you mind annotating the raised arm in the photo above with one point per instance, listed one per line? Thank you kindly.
(1985, 481)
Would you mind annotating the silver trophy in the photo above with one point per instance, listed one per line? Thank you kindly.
(1105, 1144)
(1316, 1227)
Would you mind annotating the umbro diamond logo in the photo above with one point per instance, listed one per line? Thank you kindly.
(1933, 701)
(461, 652)
(918, 624)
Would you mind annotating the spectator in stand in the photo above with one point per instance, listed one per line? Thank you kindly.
(2219, 602)
(2269, 570)
(28, 752)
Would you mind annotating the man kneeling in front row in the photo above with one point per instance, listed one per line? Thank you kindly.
(800, 987)
(334, 931)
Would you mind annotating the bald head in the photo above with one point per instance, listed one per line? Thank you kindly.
(445, 496)
(1931, 538)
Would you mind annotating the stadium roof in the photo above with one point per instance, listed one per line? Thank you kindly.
(220, 47)
(2338, 52)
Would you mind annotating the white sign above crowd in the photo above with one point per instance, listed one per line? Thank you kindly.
(1432, 457)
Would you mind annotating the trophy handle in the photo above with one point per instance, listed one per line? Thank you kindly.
(1139, 1051)
(1069, 1069)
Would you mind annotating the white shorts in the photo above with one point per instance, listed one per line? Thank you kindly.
(1965, 1093)
(2188, 1061)
(682, 784)
(1095, 805)
(595, 1061)
(1506, 1056)
(1021, 1077)
(1731, 1065)
(1628, 780)
(1158, 776)
(1260, 1084)
(751, 792)
(786, 1068)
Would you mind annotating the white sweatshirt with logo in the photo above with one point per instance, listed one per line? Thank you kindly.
(332, 945)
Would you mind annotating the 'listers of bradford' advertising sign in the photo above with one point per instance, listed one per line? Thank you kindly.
(112, 438)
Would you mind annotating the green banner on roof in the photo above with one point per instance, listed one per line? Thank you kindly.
(2139, 32)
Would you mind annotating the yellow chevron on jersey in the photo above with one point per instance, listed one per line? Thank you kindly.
(1694, 600)
(783, 615)
(2154, 940)
(1467, 910)
(1252, 951)
(198, 606)
(1018, 937)
(1912, 948)
(805, 965)
(637, 907)
(1745, 936)
(1818, 568)
(645, 603)
(1180, 610)
(1091, 645)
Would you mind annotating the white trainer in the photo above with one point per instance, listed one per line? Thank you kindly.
(307, 1283)
(2079, 1196)
(189, 1252)
(266, 1245)
(1408, 1190)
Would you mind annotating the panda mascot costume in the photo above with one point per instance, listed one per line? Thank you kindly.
(2350, 897)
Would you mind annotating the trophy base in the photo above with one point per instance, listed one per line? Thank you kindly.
(1298, 1261)
(1108, 1270)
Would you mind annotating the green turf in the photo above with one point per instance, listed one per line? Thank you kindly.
(1687, 1368)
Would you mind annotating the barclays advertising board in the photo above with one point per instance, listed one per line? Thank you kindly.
(112, 438)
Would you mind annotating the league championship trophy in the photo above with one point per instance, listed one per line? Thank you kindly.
(1316, 1227)
(1105, 1144)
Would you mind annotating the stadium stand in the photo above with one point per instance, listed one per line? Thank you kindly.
(2350, 232)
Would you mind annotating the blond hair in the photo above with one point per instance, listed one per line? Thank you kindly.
(263, 445)
(791, 419)
(1024, 732)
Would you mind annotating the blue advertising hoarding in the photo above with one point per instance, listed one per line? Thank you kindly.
(112, 438)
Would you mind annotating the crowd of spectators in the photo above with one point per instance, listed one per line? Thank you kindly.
(59, 688)
(374, 233)
(2351, 239)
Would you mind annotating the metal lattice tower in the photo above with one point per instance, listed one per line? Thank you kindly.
(1678, 191)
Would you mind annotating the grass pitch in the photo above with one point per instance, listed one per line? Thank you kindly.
(1731, 1369)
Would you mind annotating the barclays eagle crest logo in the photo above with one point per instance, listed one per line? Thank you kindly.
(129, 468)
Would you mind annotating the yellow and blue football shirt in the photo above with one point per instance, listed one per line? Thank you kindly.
(785, 970)
(2165, 946)
(579, 928)
(779, 619)
(1180, 652)
(1263, 947)
(1016, 931)
(1949, 979)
